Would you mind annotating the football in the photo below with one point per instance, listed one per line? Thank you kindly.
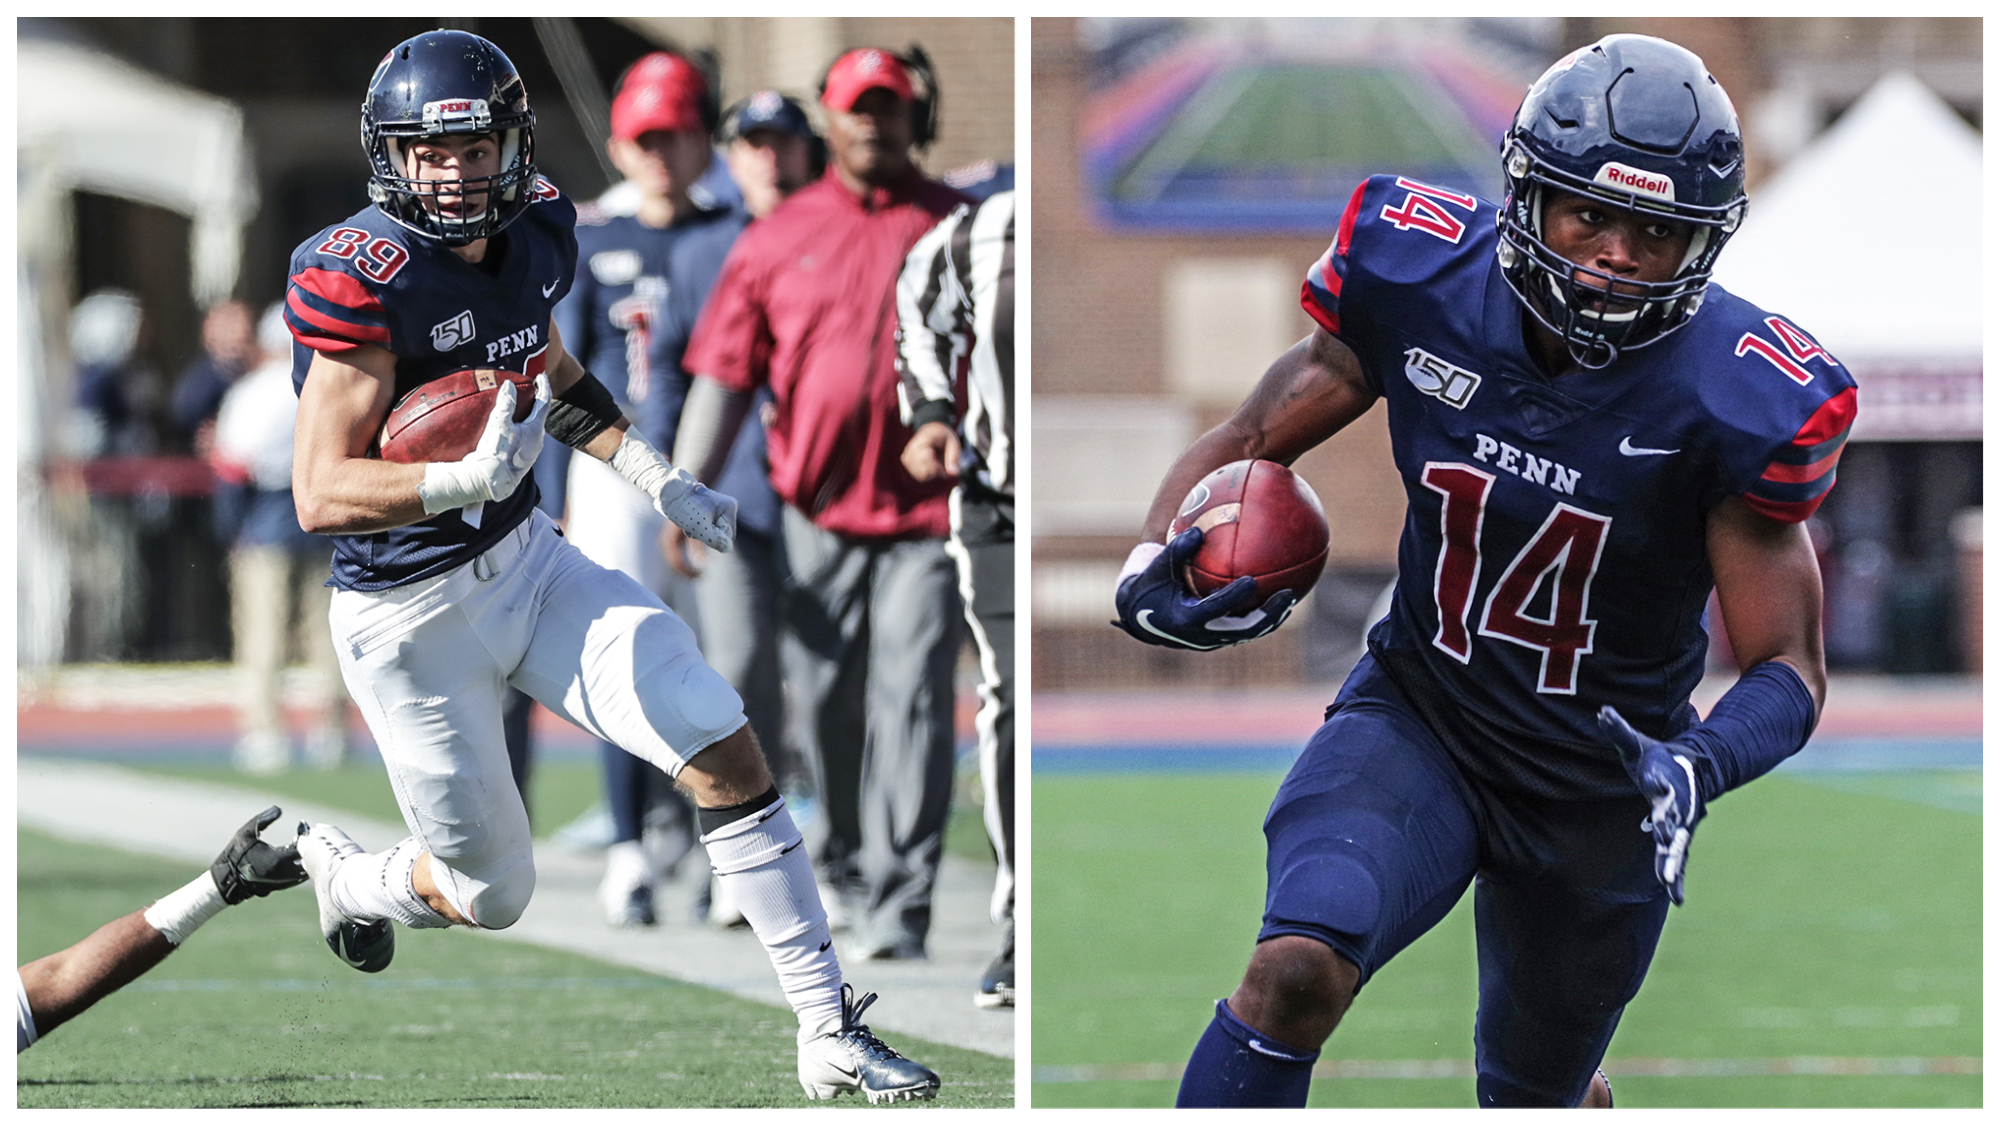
(1258, 518)
(442, 419)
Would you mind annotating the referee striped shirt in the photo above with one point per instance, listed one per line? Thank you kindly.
(955, 300)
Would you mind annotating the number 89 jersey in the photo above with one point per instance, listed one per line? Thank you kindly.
(1553, 558)
(370, 280)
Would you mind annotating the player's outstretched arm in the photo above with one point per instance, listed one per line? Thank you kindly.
(67, 982)
(1306, 396)
(1769, 585)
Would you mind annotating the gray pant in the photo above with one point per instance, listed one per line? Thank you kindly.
(872, 642)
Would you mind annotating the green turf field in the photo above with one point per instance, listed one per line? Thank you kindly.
(1836, 922)
(253, 1013)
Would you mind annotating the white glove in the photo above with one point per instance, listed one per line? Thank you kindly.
(707, 515)
(493, 470)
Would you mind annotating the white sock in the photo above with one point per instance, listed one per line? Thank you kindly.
(376, 885)
(762, 860)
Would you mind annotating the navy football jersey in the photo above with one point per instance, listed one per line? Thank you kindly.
(368, 280)
(639, 291)
(1553, 558)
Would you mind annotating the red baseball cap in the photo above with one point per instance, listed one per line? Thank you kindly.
(859, 71)
(661, 92)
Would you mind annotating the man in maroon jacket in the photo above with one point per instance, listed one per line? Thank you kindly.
(806, 304)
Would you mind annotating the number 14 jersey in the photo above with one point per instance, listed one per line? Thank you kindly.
(1553, 558)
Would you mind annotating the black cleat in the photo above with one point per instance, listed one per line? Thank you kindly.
(852, 1059)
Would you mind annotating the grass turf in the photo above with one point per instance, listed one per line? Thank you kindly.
(253, 1013)
(1822, 921)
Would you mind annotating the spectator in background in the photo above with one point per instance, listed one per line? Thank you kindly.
(641, 281)
(806, 306)
(114, 394)
(117, 398)
(277, 571)
(954, 302)
(771, 149)
(982, 178)
(229, 348)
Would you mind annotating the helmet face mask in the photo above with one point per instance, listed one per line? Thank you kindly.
(1637, 125)
(445, 84)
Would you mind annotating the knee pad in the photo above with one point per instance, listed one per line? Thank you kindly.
(707, 703)
(1327, 890)
(494, 897)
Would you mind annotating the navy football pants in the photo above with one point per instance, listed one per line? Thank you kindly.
(1375, 834)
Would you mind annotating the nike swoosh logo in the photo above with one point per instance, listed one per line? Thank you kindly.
(1626, 447)
(551, 287)
(826, 945)
(1158, 632)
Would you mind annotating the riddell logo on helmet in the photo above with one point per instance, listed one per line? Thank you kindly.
(1636, 180)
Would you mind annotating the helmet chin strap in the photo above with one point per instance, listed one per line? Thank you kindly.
(510, 150)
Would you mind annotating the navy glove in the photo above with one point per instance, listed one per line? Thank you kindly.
(1665, 776)
(1153, 606)
(249, 867)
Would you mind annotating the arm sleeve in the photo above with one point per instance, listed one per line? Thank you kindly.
(933, 323)
(709, 425)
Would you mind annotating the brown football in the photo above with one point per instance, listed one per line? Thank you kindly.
(442, 419)
(1258, 518)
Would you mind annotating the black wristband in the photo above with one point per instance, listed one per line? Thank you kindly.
(582, 412)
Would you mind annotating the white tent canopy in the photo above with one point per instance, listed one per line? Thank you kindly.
(89, 122)
(1870, 238)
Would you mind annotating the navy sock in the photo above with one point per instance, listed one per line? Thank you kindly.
(1234, 1065)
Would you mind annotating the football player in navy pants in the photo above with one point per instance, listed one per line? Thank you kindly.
(1592, 438)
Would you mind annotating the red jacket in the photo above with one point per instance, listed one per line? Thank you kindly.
(807, 303)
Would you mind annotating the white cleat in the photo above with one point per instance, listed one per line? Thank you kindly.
(851, 1059)
(367, 946)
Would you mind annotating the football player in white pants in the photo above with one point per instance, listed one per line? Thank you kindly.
(451, 586)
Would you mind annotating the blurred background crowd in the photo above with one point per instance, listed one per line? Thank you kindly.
(1198, 166)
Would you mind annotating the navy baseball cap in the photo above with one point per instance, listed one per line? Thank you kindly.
(767, 109)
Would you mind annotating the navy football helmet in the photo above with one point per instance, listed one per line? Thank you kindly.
(438, 83)
(1641, 125)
